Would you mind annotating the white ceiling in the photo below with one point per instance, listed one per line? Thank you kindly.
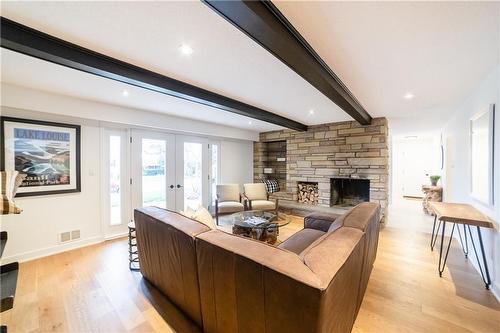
(381, 50)
(25, 71)
(439, 51)
(148, 34)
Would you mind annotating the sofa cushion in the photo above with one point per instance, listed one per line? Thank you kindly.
(230, 207)
(338, 261)
(335, 225)
(319, 220)
(263, 205)
(360, 216)
(319, 258)
(228, 192)
(255, 191)
(299, 241)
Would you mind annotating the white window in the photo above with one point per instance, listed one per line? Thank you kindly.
(214, 171)
(115, 176)
(115, 181)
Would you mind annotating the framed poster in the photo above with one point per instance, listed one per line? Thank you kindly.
(482, 134)
(48, 153)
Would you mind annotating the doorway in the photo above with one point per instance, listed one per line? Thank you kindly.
(414, 159)
(172, 171)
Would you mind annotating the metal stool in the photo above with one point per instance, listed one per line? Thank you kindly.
(133, 257)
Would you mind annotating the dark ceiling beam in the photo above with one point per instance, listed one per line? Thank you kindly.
(25, 40)
(266, 25)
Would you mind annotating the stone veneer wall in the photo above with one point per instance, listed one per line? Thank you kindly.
(344, 149)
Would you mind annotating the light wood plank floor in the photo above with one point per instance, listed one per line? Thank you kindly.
(92, 290)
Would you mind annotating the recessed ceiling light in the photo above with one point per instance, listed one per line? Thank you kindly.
(125, 93)
(186, 49)
(409, 96)
(311, 112)
(250, 122)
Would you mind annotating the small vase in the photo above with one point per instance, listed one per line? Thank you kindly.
(434, 182)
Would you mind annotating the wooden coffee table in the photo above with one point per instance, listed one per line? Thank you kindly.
(266, 231)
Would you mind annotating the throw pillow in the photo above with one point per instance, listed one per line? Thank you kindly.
(19, 180)
(272, 185)
(9, 182)
(203, 215)
(189, 213)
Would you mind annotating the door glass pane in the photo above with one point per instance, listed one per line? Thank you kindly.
(114, 180)
(154, 191)
(215, 151)
(192, 175)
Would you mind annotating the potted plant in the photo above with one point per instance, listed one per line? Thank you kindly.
(434, 179)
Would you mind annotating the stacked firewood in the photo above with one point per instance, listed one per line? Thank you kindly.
(307, 193)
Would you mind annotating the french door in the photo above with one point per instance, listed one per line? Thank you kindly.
(153, 169)
(173, 171)
(192, 172)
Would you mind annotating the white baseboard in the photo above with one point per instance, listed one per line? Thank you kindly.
(118, 235)
(31, 255)
(495, 290)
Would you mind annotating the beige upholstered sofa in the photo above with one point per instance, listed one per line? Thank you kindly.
(227, 283)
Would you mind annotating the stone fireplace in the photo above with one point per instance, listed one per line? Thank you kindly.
(345, 150)
(348, 192)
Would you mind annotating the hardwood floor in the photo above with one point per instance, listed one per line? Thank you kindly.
(91, 290)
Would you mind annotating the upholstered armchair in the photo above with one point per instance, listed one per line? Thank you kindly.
(258, 199)
(228, 200)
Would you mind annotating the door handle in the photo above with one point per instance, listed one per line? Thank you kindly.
(179, 185)
(171, 186)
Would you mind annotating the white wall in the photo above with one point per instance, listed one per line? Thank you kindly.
(239, 173)
(36, 100)
(457, 165)
(34, 233)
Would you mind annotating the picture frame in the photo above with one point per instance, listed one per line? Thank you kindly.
(482, 138)
(47, 152)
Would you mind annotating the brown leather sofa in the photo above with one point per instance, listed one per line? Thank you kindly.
(313, 282)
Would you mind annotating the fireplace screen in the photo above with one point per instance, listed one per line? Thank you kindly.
(349, 191)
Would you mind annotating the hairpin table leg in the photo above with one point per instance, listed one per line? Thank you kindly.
(466, 248)
(486, 274)
(441, 267)
(435, 236)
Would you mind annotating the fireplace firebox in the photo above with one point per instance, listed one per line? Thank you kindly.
(349, 191)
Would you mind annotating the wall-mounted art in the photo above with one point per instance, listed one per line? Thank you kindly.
(482, 133)
(48, 153)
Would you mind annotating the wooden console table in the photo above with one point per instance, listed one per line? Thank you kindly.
(431, 194)
(467, 216)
